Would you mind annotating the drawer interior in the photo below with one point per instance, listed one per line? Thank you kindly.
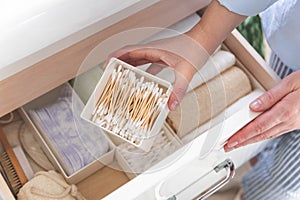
(118, 172)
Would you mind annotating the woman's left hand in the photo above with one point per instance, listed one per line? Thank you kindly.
(281, 114)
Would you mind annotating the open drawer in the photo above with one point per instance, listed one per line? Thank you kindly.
(184, 175)
(183, 166)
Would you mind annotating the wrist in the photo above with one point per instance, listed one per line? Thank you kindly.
(206, 40)
(216, 23)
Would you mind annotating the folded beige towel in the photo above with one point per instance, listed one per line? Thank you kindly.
(208, 100)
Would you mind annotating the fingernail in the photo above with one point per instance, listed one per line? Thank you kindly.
(256, 104)
(232, 144)
(174, 105)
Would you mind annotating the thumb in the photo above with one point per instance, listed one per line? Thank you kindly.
(269, 98)
(182, 80)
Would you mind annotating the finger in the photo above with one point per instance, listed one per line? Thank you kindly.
(154, 69)
(182, 80)
(137, 55)
(271, 97)
(151, 55)
(137, 62)
(275, 131)
(262, 123)
(120, 52)
(179, 90)
(124, 50)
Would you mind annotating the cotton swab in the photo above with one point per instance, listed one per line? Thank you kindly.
(129, 105)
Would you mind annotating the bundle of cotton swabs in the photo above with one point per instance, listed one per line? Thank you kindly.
(129, 105)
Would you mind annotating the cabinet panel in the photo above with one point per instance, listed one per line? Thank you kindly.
(53, 71)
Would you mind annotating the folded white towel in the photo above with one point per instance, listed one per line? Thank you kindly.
(139, 161)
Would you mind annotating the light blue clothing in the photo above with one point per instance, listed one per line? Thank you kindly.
(247, 7)
(279, 67)
(282, 29)
(276, 176)
(280, 22)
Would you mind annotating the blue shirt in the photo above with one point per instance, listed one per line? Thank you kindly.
(280, 19)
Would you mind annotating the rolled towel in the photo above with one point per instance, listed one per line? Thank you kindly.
(218, 63)
(208, 100)
(230, 111)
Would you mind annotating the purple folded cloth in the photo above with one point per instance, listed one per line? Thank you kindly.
(75, 142)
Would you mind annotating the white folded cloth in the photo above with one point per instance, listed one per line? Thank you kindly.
(139, 161)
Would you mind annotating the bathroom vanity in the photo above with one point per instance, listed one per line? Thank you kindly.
(45, 45)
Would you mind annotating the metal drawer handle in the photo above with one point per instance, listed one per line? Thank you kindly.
(227, 164)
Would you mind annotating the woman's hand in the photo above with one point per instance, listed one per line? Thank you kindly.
(184, 53)
(281, 107)
(181, 53)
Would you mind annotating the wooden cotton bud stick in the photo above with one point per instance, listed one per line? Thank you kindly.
(109, 87)
(146, 99)
(141, 106)
(155, 114)
(144, 114)
(125, 97)
(150, 104)
(126, 108)
(136, 103)
(104, 94)
(119, 68)
(115, 93)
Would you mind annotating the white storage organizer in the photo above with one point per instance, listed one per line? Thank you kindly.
(133, 106)
(50, 146)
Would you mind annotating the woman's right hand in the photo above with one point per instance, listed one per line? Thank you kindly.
(183, 54)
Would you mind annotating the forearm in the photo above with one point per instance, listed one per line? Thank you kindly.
(216, 23)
